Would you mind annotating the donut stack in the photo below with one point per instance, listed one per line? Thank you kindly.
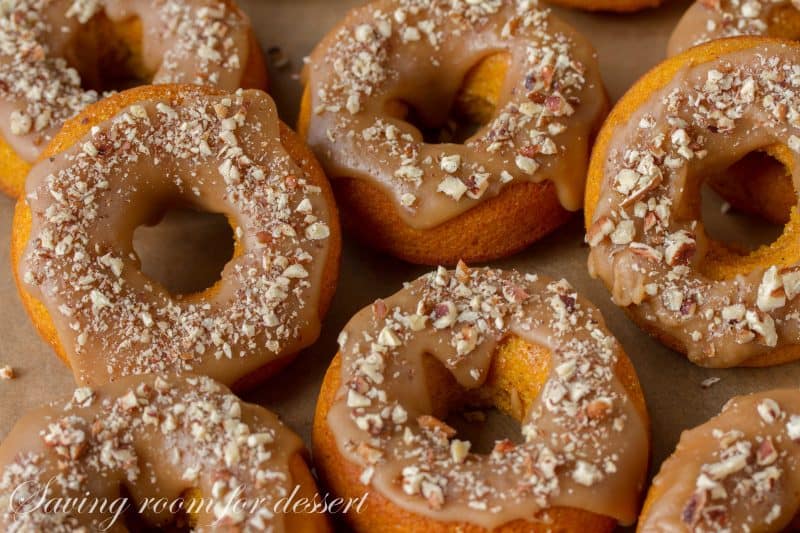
(445, 133)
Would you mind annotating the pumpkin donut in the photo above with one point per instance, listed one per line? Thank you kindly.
(693, 116)
(57, 56)
(156, 451)
(525, 345)
(531, 80)
(120, 164)
(758, 184)
(736, 472)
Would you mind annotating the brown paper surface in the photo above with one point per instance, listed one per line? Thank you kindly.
(628, 46)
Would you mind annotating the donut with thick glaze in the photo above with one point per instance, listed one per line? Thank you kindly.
(394, 70)
(120, 164)
(158, 452)
(477, 338)
(691, 117)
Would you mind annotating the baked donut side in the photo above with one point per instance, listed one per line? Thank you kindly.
(737, 470)
(176, 41)
(528, 78)
(642, 213)
(409, 360)
(140, 441)
(298, 178)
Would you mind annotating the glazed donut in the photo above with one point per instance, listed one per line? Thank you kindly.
(216, 462)
(121, 163)
(736, 472)
(693, 116)
(528, 346)
(758, 184)
(528, 77)
(57, 56)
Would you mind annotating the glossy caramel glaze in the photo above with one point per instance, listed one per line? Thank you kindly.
(531, 347)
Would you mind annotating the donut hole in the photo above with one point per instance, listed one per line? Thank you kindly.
(454, 118)
(494, 411)
(738, 225)
(484, 426)
(748, 215)
(185, 249)
(108, 55)
(757, 185)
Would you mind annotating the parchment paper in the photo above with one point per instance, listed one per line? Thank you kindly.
(628, 46)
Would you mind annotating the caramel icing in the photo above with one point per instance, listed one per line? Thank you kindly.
(220, 153)
(707, 20)
(647, 242)
(418, 52)
(154, 438)
(739, 471)
(381, 421)
(183, 41)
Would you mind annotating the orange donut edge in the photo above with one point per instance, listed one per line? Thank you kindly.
(77, 127)
(654, 80)
(517, 364)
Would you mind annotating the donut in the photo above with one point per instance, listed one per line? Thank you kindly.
(155, 450)
(690, 117)
(736, 472)
(528, 82)
(529, 346)
(758, 185)
(58, 56)
(121, 163)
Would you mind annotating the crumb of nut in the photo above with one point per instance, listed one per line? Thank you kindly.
(599, 409)
(459, 449)
(433, 424)
(7, 373)
(710, 382)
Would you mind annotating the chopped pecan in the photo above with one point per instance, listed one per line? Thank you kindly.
(598, 231)
(368, 453)
(503, 447)
(650, 220)
(598, 409)
(648, 252)
(379, 309)
(766, 453)
(433, 424)
(463, 272)
(680, 248)
(694, 507)
(264, 237)
(569, 302)
(689, 305)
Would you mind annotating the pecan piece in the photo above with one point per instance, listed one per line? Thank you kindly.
(434, 425)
